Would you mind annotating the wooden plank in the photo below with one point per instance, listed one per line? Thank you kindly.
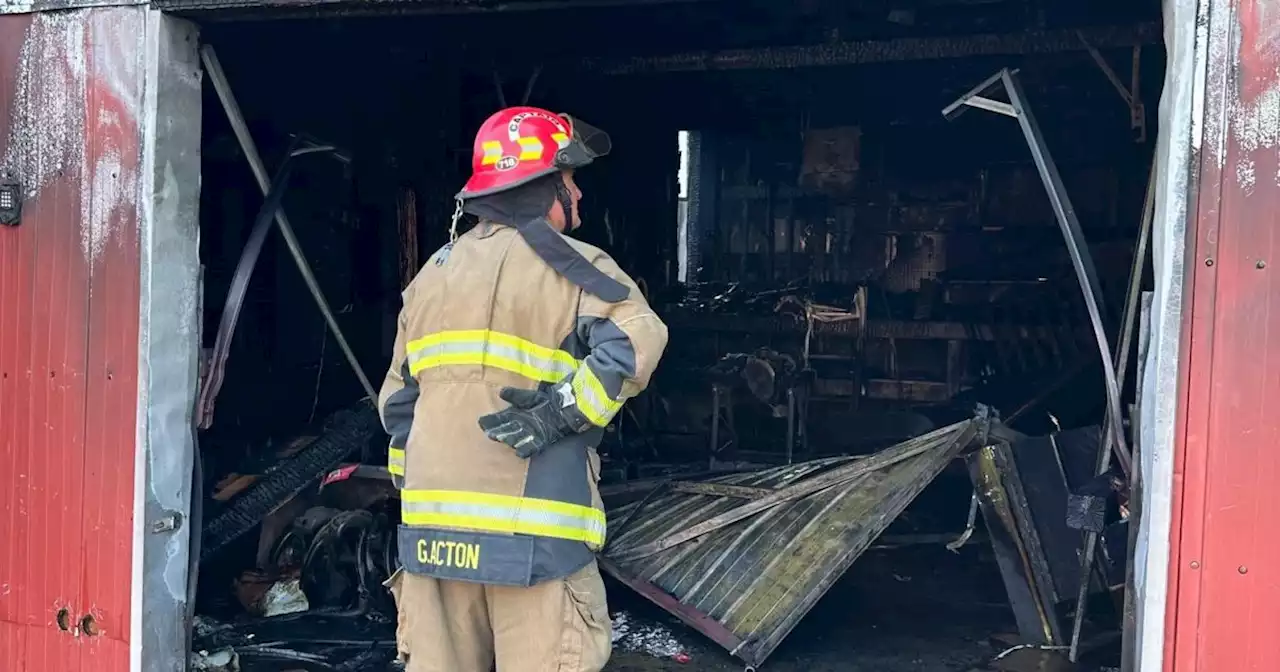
(721, 490)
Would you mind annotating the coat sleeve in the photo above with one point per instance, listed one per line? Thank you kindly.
(398, 397)
(624, 343)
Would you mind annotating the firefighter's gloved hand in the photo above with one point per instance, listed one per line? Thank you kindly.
(532, 422)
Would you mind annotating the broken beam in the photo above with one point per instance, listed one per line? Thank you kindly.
(721, 490)
(882, 51)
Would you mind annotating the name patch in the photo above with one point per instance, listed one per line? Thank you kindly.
(466, 556)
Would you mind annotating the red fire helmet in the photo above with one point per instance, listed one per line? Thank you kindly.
(520, 144)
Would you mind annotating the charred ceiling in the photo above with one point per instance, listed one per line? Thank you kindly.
(619, 29)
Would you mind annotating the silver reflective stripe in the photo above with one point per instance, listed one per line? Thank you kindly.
(502, 519)
(492, 349)
(501, 514)
(592, 399)
(395, 461)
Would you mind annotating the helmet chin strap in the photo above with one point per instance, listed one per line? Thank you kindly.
(566, 204)
(453, 224)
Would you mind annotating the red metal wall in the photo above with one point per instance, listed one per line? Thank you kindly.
(1224, 608)
(70, 92)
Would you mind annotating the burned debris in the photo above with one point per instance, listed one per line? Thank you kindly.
(847, 282)
(742, 558)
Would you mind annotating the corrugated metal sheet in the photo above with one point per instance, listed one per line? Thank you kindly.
(1225, 555)
(69, 298)
(748, 583)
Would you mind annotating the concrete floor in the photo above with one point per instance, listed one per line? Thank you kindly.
(918, 610)
(922, 609)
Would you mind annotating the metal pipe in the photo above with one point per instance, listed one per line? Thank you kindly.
(1129, 610)
(791, 423)
(1081, 260)
(241, 129)
(1073, 236)
(715, 425)
(211, 384)
(1131, 308)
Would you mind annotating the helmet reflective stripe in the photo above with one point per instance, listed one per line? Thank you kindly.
(520, 144)
(530, 149)
(492, 152)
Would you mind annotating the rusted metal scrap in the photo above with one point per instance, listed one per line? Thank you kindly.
(742, 563)
(1024, 488)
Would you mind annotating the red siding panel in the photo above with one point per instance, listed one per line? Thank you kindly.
(17, 254)
(1224, 609)
(70, 92)
(115, 68)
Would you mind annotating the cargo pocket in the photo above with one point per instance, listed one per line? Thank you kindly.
(395, 585)
(588, 632)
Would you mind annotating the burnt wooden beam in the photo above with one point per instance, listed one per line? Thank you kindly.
(908, 390)
(916, 330)
(721, 490)
(289, 9)
(882, 51)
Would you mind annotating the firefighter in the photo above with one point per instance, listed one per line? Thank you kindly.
(515, 347)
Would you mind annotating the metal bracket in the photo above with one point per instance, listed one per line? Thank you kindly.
(1131, 95)
(1086, 275)
(1064, 212)
(302, 145)
(10, 203)
(171, 521)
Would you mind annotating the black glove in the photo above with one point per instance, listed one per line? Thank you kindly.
(533, 421)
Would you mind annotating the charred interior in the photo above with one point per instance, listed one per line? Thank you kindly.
(844, 272)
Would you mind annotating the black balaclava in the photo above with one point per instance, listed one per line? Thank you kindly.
(525, 208)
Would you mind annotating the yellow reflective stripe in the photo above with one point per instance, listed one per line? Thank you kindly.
(509, 501)
(498, 362)
(395, 461)
(503, 514)
(492, 152)
(561, 139)
(498, 337)
(484, 347)
(500, 526)
(591, 398)
(530, 148)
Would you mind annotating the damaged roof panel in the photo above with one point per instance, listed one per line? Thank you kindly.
(744, 564)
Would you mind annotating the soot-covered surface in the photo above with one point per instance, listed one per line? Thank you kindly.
(921, 609)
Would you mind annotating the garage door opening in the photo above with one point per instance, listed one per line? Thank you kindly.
(846, 275)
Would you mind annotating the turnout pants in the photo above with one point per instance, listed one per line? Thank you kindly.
(456, 626)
